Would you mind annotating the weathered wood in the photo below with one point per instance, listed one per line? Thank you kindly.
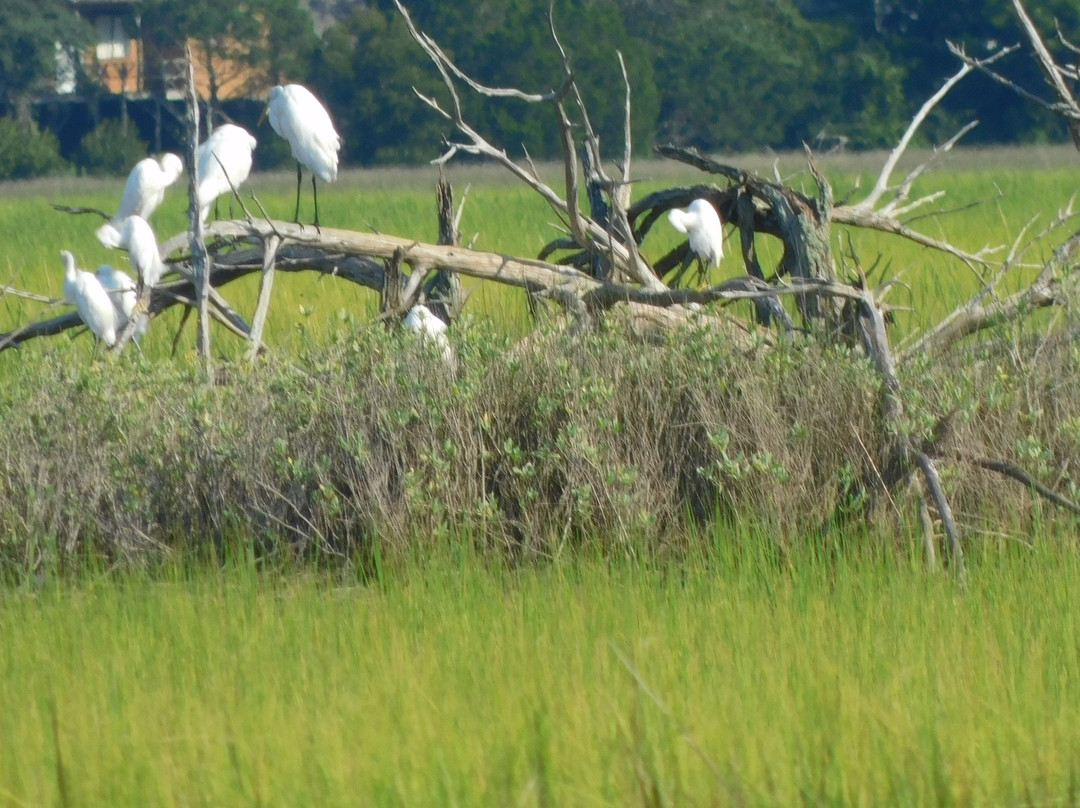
(521, 272)
(200, 260)
(266, 286)
(442, 290)
(390, 296)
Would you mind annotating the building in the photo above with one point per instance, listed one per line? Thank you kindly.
(123, 59)
(116, 59)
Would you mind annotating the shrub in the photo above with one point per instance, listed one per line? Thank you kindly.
(597, 440)
(111, 149)
(26, 151)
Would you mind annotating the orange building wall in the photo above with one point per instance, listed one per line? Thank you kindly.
(116, 75)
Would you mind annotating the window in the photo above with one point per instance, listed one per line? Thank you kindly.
(112, 39)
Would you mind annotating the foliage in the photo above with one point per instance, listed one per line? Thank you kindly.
(254, 42)
(32, 32)
(111, 149)
(915, 34)
(26, 151)
(722, 76)
(368, 443)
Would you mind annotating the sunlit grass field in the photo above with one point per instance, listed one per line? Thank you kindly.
(730, 678)
(838, 673)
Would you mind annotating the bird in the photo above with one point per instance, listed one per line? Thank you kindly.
(123, 294)
(706, 232)
(137, 237)
(298, 116)
(91, 300)
(224, 157)
(143, 192)
(432, 330)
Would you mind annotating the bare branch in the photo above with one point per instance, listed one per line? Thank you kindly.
(1052, 73)
(882, 183)
(266, 285)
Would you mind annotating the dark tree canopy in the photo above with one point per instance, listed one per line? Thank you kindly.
(721, 76)
(32, 34)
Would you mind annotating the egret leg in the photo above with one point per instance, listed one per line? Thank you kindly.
(315, 192)
(299, 177)
(688, 259)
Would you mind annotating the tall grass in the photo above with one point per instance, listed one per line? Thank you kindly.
(729, 678)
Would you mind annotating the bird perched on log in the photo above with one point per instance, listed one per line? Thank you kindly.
(123, 294)
(298, 116)
(223, 158)
(137, 237)
(85, 291)
(143, 192)
(701, 222)
(432, 330)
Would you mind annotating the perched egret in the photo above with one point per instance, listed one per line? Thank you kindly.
(224, 157)
(296, 115)
(706, 232)
(431, 329)
(122, 292)
(143, 192)
(91, 300)
(139, 240)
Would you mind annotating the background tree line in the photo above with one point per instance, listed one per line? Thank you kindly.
(721, 75)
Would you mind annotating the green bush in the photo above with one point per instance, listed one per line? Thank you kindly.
(26, 151)
(111, 149)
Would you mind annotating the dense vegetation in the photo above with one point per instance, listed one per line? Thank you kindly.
(731, 75)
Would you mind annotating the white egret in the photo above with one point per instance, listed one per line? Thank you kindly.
(143, 192)
(122, 292)
(296, 115)
(91, 300)
(224, 157)
(706, 232)
(432, 330)
(137, 237)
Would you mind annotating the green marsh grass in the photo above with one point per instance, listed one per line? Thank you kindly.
(729, 677)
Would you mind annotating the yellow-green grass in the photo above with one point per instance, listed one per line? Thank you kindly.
(502, 215)
(732, 678)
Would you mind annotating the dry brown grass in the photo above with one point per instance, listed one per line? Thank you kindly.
(557, 443)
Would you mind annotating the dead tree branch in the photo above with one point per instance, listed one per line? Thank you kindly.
(590, 234)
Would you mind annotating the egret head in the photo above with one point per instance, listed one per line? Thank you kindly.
(69, 263)
(275, 94)
(703, 207)
(108, 235)
(172, 166)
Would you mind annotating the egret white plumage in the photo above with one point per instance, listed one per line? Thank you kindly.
(137, 237)
(421, 320)
(298, 116)
(224, 157)
(143, 192)
(122, 292)
(91, 300)
(706, 232)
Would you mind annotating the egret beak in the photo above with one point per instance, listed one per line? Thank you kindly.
(265, 112)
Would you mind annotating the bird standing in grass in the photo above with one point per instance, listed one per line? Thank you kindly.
(143, 192)
(91, 300)
(296, 115)
(702, 223)
(421, 320)
(225, 157)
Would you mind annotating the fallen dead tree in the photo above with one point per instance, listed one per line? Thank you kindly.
(598, 266)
